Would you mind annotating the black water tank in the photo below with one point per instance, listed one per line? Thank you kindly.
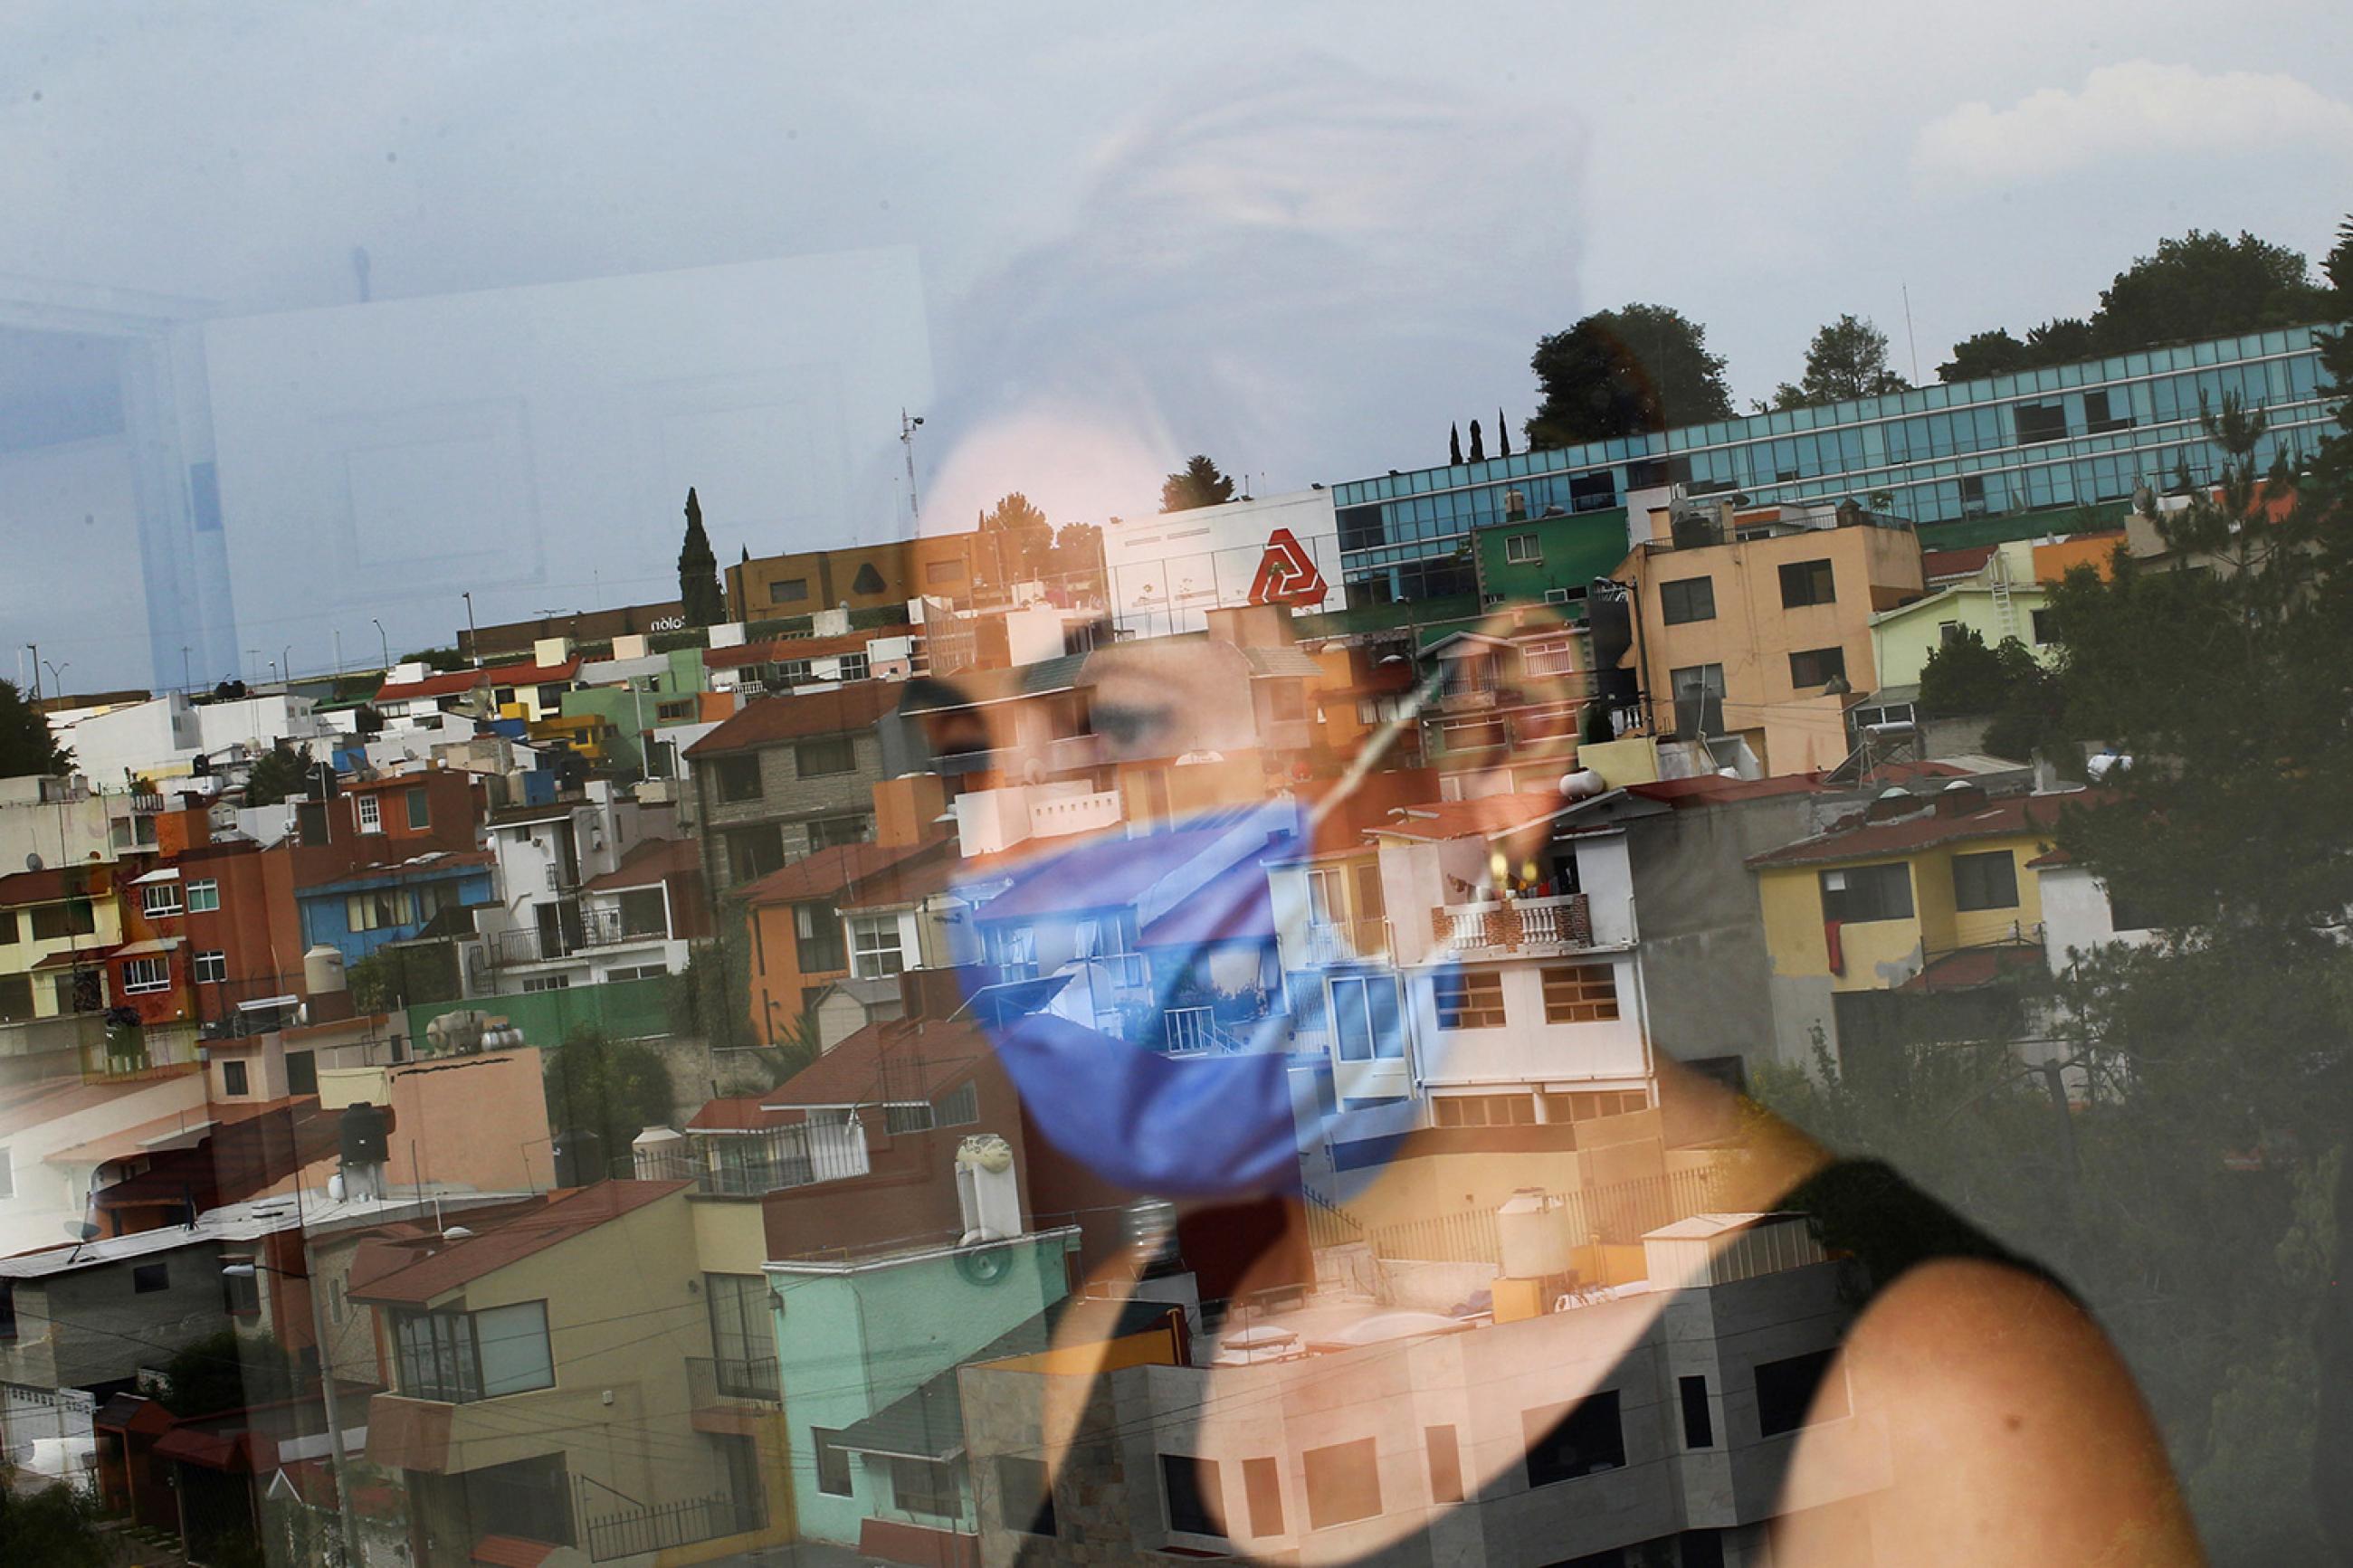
(364, 1130)
(580, 1158)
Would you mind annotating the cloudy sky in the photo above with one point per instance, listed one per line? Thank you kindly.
(1304, 244)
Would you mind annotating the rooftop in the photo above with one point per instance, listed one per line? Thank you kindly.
(835, 711)
(897, 1061)
(648, 861)
(415, 1271)
(1482, 817)
(457, 681)
(312, 1211)
(829, 870)
(1859, 840)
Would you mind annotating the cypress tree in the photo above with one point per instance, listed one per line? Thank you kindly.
(698, 594)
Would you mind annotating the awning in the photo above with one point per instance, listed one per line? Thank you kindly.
(149, 948)
(263, 1003)
(168, 874)
(925, 1424)
(80, 958)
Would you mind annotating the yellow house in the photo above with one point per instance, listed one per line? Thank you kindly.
(1927, 892)
(1757, 623)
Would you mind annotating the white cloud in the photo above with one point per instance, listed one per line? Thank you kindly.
(2138, 109)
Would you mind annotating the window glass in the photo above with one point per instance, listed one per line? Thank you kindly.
(1344, 1483)
(1985, 881)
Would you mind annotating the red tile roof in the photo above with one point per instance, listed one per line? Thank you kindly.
(836, 710)
(776, 651)
(829, 870)
(650, 861)
(458, 680)
(1974, 966)
(893, 1062)
(1483, 817)
(1709, 789)
(738, 1113)
(414, 1273)
(1941, 566)
(512, 1552)
(2007, 817)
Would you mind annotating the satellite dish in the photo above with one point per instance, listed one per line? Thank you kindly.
(81, 1230)
(33, 860)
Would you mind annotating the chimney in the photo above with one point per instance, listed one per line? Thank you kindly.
(988, 1195)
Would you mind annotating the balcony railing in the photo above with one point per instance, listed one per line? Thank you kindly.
(1332, 942)
(1512, 925)
(746, 1165)
(717, 1382)
(596, 928)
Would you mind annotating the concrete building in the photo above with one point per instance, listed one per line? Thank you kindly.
(1166, 573)
(787, 776)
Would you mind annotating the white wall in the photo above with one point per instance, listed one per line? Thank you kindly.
(1526, 1049)
(1167, 571)
(135, 739)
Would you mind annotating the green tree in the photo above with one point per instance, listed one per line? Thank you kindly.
(1198, 484)
(1625, 372)
(55, 1526)
(1964, 677)
(1503, 435)
(2061, 341)
(228, 1372)
(699, 595)
(1454, 445)
(1027, 538)
(1847, 359)
(26, 745)
(709, 995)
(447, 660)
(2205, 285)
(1982, 354)
(615, 1089)
(279, 773)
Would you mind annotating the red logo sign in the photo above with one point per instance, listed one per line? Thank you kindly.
(1285, 573)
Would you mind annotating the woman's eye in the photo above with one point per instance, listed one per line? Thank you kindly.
(1125, 726)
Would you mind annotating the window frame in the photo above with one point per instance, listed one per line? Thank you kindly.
(1477, 1002)
(203, 896)
(823, 747)
(161, 901)
(830, 1460)
(237, 1078)
(417, 806)
(368, 811)
(1828, 664)
(214, 960)
(874, 959)
(1202, 1485)
(1810, 583)
(1573, 996)
(1797, 1385)
(735, 779)
(1688, 606)
(153, 973)
(1886, 873)
(1542, 1428)
(1362, 1455)
(1516, 555)
(1979, 897)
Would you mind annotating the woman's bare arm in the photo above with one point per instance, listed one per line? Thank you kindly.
(2003, 1428)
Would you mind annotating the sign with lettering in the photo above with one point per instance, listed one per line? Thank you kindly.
(667, 624)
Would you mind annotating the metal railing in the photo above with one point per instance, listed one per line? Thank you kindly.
(746, 1165)
(1329, 942)
(595, 929)
(660, 1526)
(1192, 1031)
(717, 1380)
(1620, 1214)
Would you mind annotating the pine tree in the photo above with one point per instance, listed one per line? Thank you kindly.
(1503, 435)
(26, 745)
(1454, 445)
(698, 594)
(1478, 444)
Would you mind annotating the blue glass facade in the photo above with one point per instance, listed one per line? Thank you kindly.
(2064, 435)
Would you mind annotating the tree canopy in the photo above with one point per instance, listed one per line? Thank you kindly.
(615, 1089)
(26, 745)
(226, 1371)
(1198, 484)
(1625, 372)
(277, 774)
(1028, 537)
(699, 598)
(1848, 358)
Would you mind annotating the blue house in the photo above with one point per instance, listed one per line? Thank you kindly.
(358, 914)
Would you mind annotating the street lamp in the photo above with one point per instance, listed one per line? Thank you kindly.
(381, 642)
(473, 637)
(56, 674)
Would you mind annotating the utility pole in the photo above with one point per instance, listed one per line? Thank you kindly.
(473, 637)
(187, 681)
(36, 669)
(383, 643)
(908, 424)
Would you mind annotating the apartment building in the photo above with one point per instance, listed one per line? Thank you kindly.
(1753, 626)
(788, 776)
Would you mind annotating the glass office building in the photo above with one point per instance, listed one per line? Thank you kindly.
(2073, 435)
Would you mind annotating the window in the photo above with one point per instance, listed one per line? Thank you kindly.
(8, 1172)
(1580, 994)
(141, 976)
(1568, 1441)
(825, 832)
(1522, 550)
(1025, 1498)
(1469, 999)
(736, 778)
(302, 1072)
(1861, 893)
(2041, 422)
(1286, 700)
(825, 758)
(1699, 1425)
(644, 912)
(874, 946)
(371, 810)
(456, 1357)
(1588, 1105)
(1987, 881)
(16, 999)
(754, 852)
(1364, 1018)
(938, 571)
(2099, 417)
(927, 1487)
(1699, 698)
(1949, 633)
(832, 1462)
(375, 911)
(1445, 1464)
(638, 972)
(7, 1308)
(854, 666)
(203, 897)
(234, 1081)
(789, 590)
(546, 982)
(159, 899)
(817, 931)
(1817, 667)
(1484, 1111)
(1195, 1505)
(1344, 1483)
(1550, 659)
(1692, 599)
(146, 1278)
(242, 1292)
(1807, 582)
(419, 807)
(1798, 1392)
(7, 927)
(2046, 627)
(959, 1107)
(75, 917)
(211, 968)
(897, 1119)
(677, 710)
(1262, 1495)
(1701, 1548)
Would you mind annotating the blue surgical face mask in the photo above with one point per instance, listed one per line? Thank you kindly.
(1156, 1062)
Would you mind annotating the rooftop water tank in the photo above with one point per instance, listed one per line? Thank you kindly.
(1532, 1230)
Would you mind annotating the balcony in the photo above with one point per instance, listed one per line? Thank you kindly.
(727, 1383)
(747, 1164)
(1559, 924)
(593, 931)
(1330, 943)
